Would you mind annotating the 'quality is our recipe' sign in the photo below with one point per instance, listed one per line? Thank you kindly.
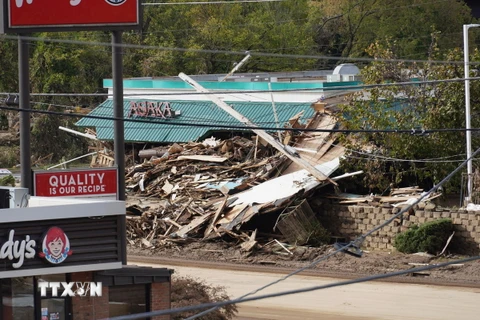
(74, 183)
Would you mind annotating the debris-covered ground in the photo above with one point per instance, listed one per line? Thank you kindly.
(233, 201)
(338, 265)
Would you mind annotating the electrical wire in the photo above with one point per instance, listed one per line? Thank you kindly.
(215, 51)
(239, 127)
(404, 160)
(231, 92)
(374, 156)
(206, 2)
(291, 292)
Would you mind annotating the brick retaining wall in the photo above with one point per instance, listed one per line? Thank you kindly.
(350, 221)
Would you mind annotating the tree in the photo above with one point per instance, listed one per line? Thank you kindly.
(47, 138)
(416, 106)
(346, 28)
(69, 68)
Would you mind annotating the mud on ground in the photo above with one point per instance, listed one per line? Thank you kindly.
(273, 255)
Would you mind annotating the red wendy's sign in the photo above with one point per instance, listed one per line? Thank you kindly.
(74, 183)
(38, 15)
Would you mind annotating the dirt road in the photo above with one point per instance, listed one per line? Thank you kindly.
(364, 301)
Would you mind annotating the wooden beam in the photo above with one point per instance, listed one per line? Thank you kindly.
(267, 137)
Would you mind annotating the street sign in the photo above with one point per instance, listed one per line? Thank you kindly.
(76, 183)
(66, 15)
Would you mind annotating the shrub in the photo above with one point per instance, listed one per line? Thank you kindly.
(9, 156)
(429, 237)
(187, 291)
(7, 181)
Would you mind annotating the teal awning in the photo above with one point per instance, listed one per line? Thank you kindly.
(189, 114)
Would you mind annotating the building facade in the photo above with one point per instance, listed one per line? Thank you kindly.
(62, 259)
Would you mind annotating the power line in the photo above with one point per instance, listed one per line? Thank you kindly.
(238, 127)
(375, 156)
(215, 51)
(355, 243)
(206, 2)
(401, 160)
(290, 292)
(231, 92)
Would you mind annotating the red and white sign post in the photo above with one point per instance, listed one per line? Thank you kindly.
(30, 15)
(100, 182)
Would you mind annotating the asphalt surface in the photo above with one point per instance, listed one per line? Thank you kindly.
(362, 301)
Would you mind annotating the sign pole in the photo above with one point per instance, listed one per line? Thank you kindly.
(119, 134)
(24, 90)
(119, 129)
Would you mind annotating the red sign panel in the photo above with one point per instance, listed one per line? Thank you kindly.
(74, 183)
(72, 13)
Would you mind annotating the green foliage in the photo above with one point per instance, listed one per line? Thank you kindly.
(338, 28)
(318, 234)
(429, 237)
(422, 106)
(9, 156)
(47, 139)
(70, 68)
(173, 36)
(7, 181)
(346, 28)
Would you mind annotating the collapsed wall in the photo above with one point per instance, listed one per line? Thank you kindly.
(351, 221)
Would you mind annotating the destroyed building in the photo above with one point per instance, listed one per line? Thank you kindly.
(208, 183)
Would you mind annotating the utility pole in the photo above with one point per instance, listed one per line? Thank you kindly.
(25, 108)
(468, 133)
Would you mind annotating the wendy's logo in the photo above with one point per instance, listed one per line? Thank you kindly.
(55, 246)
(115, 2)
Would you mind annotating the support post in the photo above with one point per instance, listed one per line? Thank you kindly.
(119, 129)
(24, 107)
(468, 133)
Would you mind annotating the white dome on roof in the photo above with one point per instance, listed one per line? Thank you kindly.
(346, 68)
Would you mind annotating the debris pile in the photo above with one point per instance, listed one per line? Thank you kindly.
(211, 189)
(194, 181)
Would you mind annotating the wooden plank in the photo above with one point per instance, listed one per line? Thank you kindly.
(396, 199)
(220, 208)
(203, 158)
(324, 148)
(197, 222)
(318, 142)
(335, 152)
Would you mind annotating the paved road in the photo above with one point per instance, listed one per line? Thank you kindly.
(364, 301)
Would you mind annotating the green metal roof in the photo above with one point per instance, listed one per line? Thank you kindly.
(191, 113)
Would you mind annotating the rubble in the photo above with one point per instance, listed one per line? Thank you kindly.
(398, 197)
(192, 180)
(208, 190)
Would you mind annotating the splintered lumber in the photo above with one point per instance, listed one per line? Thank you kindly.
(211, 227)
(197, 222)
(176, 179)
(283, 247)
(251, 243)
(203, 158)
(274, 143)
(178, 216)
